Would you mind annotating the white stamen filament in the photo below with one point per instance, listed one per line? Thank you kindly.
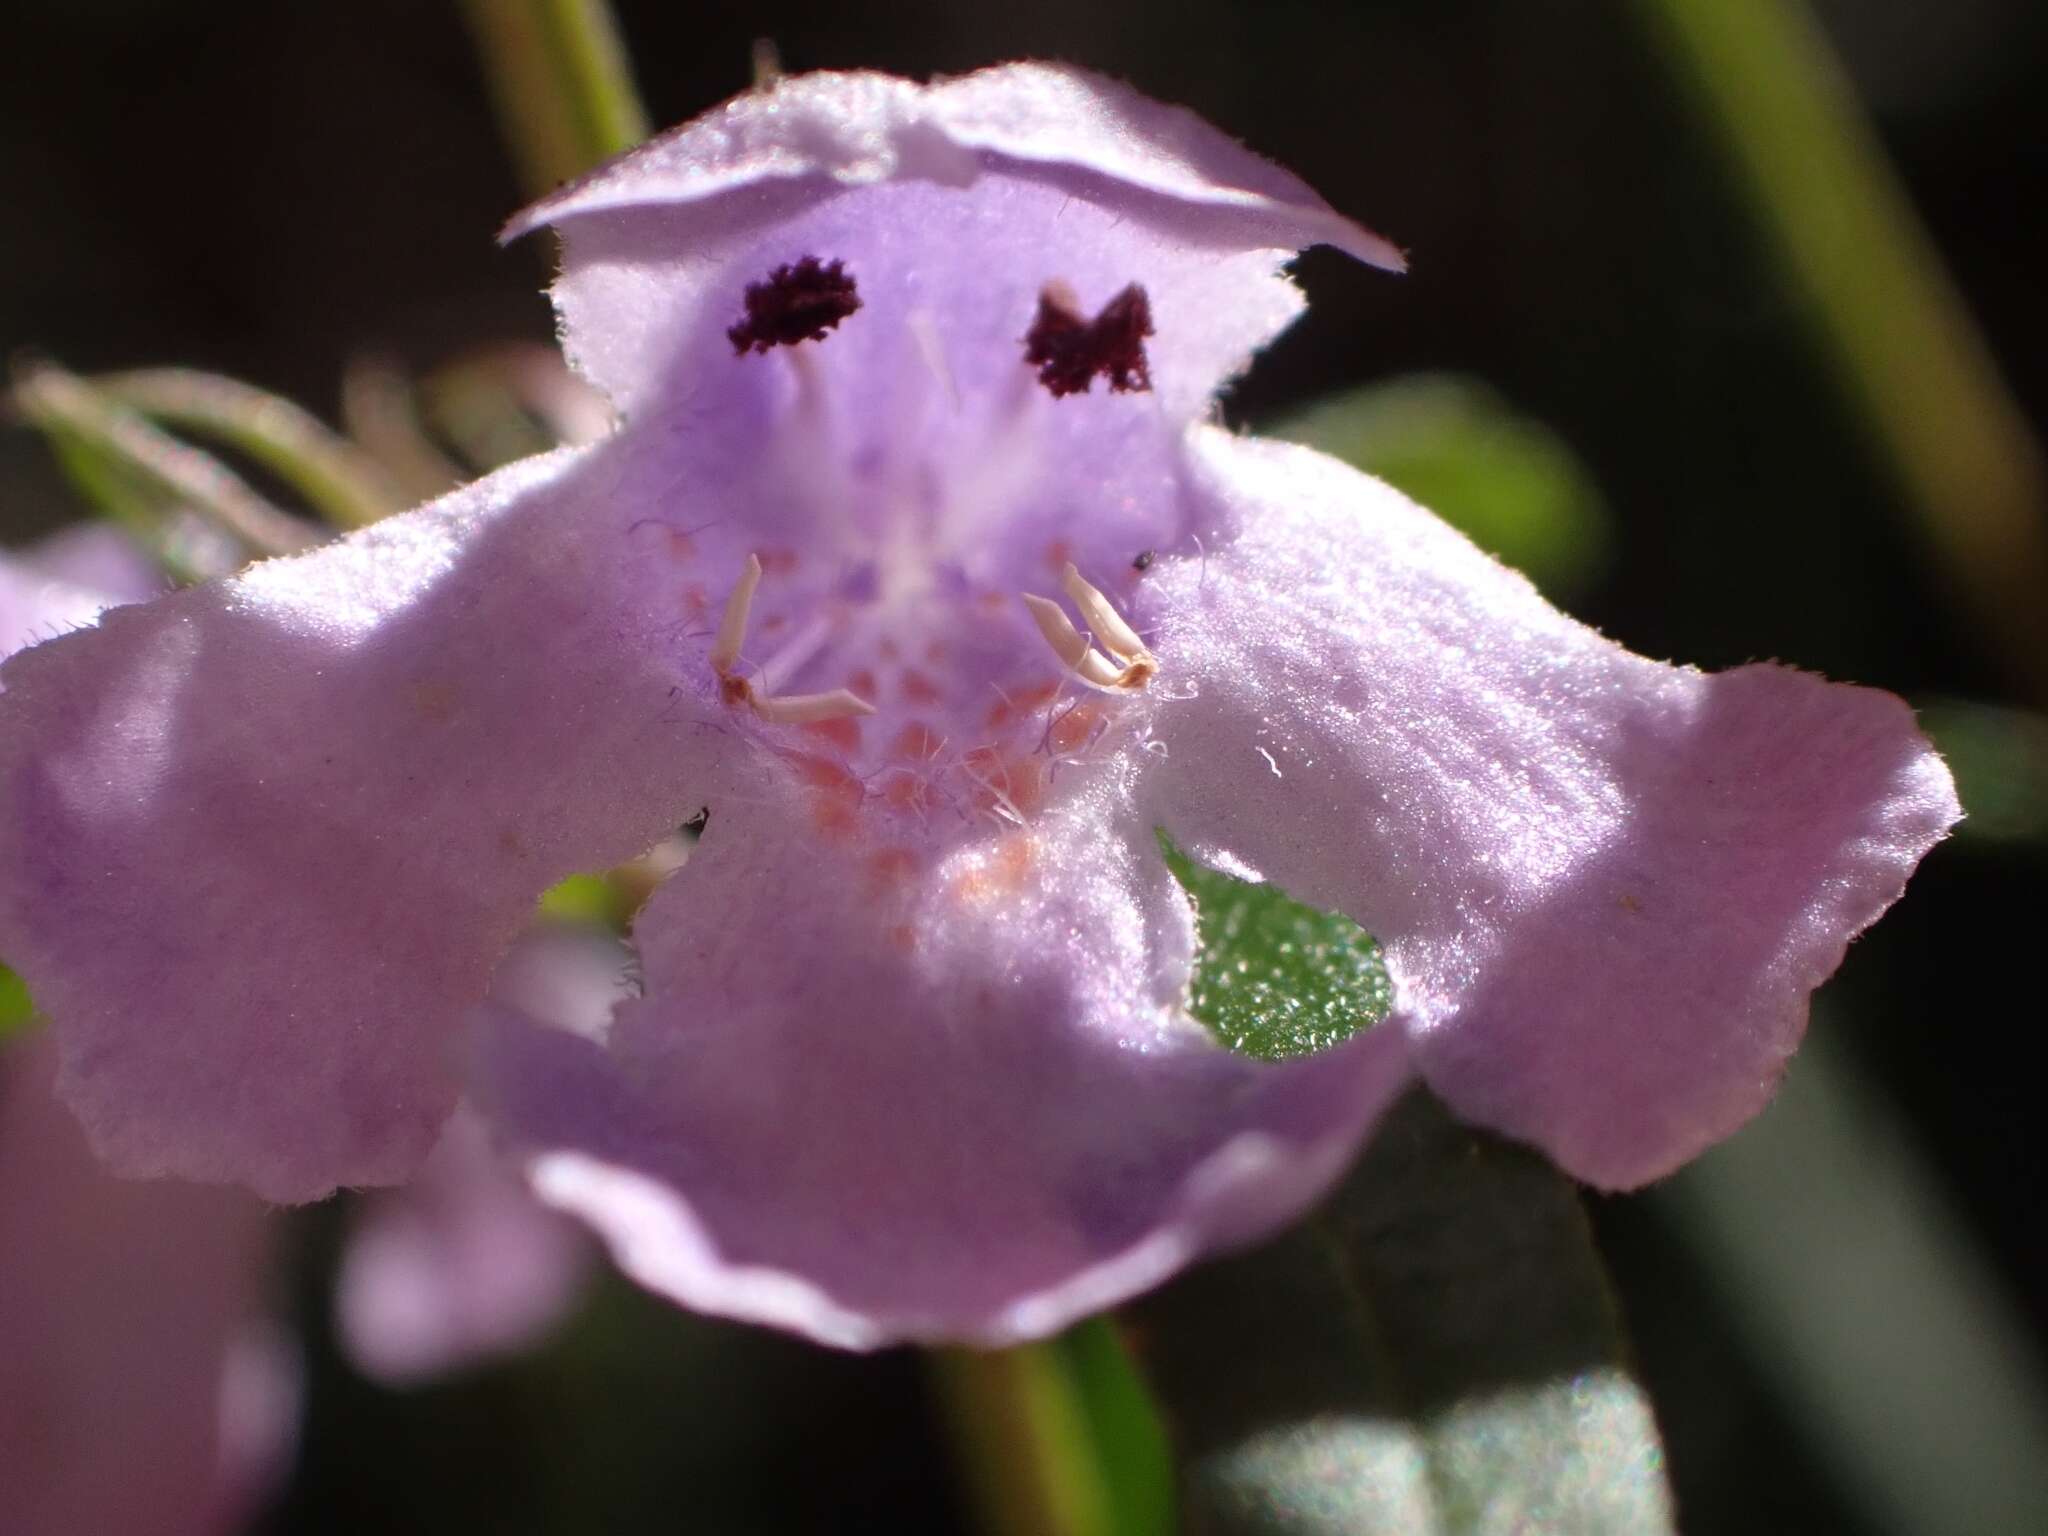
(799, 648)
(796, 708)
(1070, 645)
(804, 708)
(732, 629)
(931, 350)
(1111, 632)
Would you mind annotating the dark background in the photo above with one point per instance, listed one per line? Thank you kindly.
(267, 189)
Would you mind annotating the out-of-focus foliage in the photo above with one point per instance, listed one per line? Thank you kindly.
(1059, 1438)
(2000, 760)
(15, 1008)
(1435, 1353)
(1507, 481)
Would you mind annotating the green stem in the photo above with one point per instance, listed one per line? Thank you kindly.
(1897, 330)
(1057, 1438)
(559, 78)
(343, 483)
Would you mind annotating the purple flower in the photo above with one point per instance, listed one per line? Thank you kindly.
(911, 1058)
(463, 1264)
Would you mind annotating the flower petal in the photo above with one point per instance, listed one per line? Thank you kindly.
(463, 1264)
(1089, 181)
(130, 1324)
(967, 1109)
(263, 840)
(457, 1267)
(1606, 886)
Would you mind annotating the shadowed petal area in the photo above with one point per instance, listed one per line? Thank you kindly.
(872, 1106)
(264, 840)
(1082, 178)
(139, 1391)
(460, 1265)
(1606, 886)
(463, 1264)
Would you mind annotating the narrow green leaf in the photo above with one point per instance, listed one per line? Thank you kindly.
(1509, 483)
(125, 452)
(1274, 978)
(338, 479)
(16, 1012)
(1903, 343)
(1436, 1352)
(1863, 1296)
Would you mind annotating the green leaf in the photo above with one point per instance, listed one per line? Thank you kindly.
(2000, 760)
(16, 1012)
(133, 469)
(1274, 978)
(1435, 1352)
(1507, 482)
(338, 479)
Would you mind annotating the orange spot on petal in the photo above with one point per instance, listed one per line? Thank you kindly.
(843, 733)
(904, 792)
(918, 688)
(833, 817)
(834, 781)
(891, 867)
(916, 743)
(1072, 727)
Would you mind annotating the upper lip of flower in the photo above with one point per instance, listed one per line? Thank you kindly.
(911, 1060)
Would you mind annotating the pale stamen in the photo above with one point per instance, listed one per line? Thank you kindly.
(1139, 665)
(732, 629)
(795, 708)
(805, 708)
(1069, 644)
(931, 351)
(1111, 632)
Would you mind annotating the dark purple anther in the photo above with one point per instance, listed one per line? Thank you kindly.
(796, 302)
(1069, 351)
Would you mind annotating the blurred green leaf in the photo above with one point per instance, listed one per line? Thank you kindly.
(1274, 978)
(2000, 759)
(1852, 1274)
(344, 484)
(1901, 337)
(1058, 1438)
(1435, 1352)
(16, 1011)
(1508, 482)
(135, 471)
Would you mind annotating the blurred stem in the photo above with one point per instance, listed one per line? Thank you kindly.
(109, 447)
(561, 84)
(344, 484)
(1052, 1442)
(1899, 333)
(1865, 1300)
